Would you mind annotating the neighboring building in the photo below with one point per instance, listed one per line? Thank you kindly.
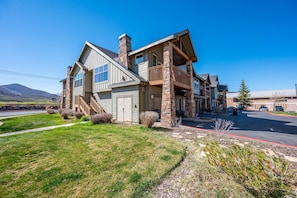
(199, 96)
(214, 91)
(156, 76)
(285, 98)
(205, 91)
(213, 94)
(223, 90)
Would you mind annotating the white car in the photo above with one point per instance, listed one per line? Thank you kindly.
(263, 108)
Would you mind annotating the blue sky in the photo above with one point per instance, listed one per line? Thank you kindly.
(250, 40)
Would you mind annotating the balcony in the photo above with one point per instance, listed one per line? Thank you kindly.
(180, 79)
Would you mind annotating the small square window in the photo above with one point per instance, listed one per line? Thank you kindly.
(139, 59)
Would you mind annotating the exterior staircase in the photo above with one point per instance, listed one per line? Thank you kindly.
(88, 109)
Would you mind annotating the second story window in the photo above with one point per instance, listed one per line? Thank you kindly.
(196, 84)
(139, 59)
(101, 73)
(78, 79)
(154, 59)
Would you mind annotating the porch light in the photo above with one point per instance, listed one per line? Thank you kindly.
(152, 96)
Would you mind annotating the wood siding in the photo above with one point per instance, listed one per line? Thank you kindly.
(143, 70)
(157, 93)
(131, 91)
(92, 59)
(105, 100)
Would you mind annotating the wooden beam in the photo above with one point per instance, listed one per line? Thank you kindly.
(156, 82)
(181, 85)
(179, 51)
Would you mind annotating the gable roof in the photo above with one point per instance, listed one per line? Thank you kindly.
(223, 87)
(114, 56)
(214, 80)
(185, 34)
(204, 77)
(195, 75)
(109, 53)
(111, 57)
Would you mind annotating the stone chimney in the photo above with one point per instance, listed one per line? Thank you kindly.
(124, 48)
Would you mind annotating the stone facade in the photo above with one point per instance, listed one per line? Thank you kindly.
(124, 48)
(168, 117)
(190, 102)
(68, 91)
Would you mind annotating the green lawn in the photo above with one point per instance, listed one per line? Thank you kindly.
(86, 161)
(31, 122)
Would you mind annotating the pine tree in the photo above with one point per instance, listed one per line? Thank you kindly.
(244, 96)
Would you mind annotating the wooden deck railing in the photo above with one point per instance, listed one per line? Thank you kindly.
(95, 106)
(156, 73)
(182, 78)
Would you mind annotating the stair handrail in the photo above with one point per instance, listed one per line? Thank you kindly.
(84, 107)
(96, 106)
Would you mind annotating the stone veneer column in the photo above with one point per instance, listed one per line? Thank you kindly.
(168, 117)
(69, 87)
(190, 102)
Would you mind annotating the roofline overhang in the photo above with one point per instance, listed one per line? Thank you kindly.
(163, 40)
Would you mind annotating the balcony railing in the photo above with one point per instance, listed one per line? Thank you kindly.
(156, 75)
(180, 79)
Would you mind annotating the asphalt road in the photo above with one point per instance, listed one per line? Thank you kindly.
(255, 124)
(19, 112)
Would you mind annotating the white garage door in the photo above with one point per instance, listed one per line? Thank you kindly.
(124, 112)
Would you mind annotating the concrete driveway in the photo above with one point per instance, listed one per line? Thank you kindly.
(254, 124)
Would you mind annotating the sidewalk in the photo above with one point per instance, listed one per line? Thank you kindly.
(39, 129)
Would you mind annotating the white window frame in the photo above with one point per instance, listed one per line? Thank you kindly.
(98, 74)
(78, 80)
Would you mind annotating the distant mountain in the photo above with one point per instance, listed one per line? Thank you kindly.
(17, 92)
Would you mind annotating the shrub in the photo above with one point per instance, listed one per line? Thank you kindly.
(101, 118)
(66, 113)
(84, 118)
(222, 125)
(50, 111)
(50, 107)
(263, 175)
(148, 118)
(78, 114)
(60, 111)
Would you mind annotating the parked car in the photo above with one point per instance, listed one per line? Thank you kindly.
(263, 108)
(241, 108)
(278, 108)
